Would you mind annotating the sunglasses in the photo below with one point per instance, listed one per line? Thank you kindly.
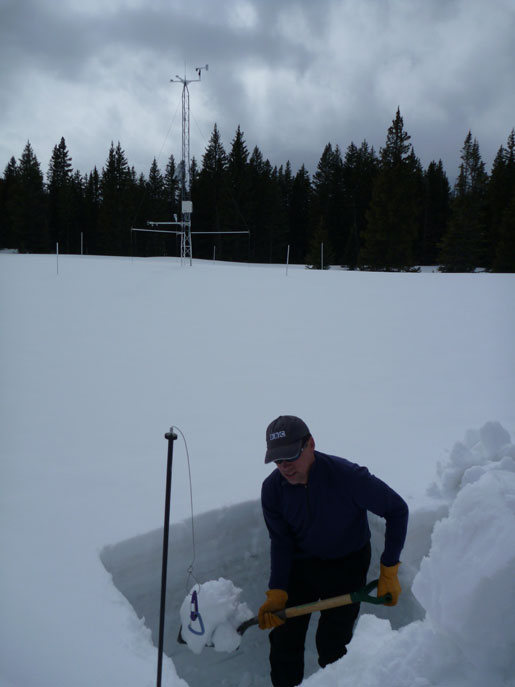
(280, 461)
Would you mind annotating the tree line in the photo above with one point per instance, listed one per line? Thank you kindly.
(377, 211)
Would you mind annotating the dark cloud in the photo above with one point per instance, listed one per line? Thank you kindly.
(294, 74)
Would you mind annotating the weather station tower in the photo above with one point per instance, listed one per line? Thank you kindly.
(184, 180)
(184, 176)
(186, 204)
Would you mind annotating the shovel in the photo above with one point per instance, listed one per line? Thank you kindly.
(363, 595)
(335, 601)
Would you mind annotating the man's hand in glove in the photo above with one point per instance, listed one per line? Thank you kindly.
(389, 583)
(276, 601)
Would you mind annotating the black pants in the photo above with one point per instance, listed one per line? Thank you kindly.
(312, 579)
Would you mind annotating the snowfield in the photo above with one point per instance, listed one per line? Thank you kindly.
(412, 375)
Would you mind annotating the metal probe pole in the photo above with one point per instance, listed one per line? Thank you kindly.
(170, 437)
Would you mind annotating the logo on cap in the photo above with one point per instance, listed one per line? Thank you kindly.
(277, 435)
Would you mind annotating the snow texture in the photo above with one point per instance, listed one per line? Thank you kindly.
(217, 614)
(388, 370)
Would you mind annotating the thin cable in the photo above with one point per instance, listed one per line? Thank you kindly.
(168, 132)
(192, 564)
(145, 190)
(198, 127)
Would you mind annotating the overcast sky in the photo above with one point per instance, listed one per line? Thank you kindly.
(294, 74)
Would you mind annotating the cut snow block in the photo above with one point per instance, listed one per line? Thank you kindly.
(220, 613)
(467, 583)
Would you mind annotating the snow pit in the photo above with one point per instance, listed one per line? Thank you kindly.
(211, 614)
(458, 630)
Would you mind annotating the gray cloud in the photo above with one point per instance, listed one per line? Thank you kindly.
(294, 74)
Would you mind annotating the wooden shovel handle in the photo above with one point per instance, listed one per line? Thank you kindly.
(333, 602)
(323, 605)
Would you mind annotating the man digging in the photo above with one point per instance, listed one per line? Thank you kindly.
(315, 508)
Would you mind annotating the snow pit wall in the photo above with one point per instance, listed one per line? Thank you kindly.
(233, 543)
(458, 559)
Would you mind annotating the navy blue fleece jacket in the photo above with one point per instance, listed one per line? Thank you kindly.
(327, 517)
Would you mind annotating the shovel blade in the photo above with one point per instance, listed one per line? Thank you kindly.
(245, 625)
(181, 640)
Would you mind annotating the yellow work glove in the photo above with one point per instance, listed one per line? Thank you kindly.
(276, 601)
(389, 583)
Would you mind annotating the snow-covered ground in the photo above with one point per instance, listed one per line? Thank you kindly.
(388, 370)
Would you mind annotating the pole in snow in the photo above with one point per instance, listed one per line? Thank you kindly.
(287, 259)
(170, 437)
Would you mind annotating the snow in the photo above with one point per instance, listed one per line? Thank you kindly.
(213, 616)
(389, 370)
(466, 585)
(459, 584)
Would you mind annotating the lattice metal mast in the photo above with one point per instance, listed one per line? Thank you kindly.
(184, 178)
(185, 181)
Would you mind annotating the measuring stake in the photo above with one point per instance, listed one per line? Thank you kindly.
(170, 437)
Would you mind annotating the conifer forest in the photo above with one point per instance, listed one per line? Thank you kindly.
(370, 210)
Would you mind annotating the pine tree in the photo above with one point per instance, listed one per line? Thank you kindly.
(501, 187)
(328, 200)
(156, 192)
(393, 218)
(92, 201)
(194, 174)
(78, 225)
(257, 211)
(437, 195)
(277, 215)
(268, 220)
(463, 246)
(285, 228)
(116, 211)
(29, 205)
(212, 193)
(286, 182)
(214, 160)
(172, 188)
(154, 206)
(299, 216)
(7, 199)
(505, 254)
(359, 173)
(60, 210)
(237, 210)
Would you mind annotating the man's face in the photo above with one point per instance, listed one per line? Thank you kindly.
(297, 471)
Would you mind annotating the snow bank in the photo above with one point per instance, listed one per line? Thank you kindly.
(488, 448)
(468, 579)
(211, 614)
(466, 585)
(415, 656)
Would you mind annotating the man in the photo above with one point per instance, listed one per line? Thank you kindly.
(315, 508)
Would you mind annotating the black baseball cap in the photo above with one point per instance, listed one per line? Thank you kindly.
(284, 438)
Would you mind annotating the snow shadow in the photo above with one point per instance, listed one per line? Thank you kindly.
(233, 543)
